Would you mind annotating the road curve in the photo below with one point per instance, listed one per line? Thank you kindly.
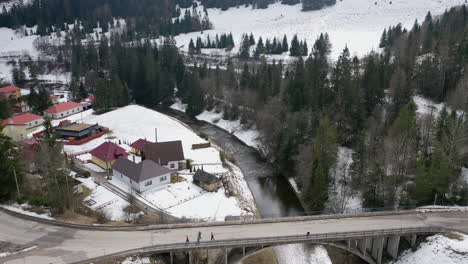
(59, 244)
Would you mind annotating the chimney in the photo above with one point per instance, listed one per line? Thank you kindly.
(156, 135)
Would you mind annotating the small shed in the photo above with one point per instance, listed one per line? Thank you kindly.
(206, 180)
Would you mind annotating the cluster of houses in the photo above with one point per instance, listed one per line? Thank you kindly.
(23, 123)
(160, 161)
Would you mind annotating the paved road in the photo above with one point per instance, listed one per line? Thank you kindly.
(67, 245)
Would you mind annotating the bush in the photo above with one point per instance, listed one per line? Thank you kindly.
(102, 216)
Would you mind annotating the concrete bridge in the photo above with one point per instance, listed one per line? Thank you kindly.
(368, 235)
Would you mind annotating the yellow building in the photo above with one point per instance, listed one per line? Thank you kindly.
(18, 127)
(10, 92)
(106, 154)
(139, 146)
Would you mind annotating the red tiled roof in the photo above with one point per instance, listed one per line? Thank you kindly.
(21, 119)
(108, 151)
(59, 108)
(89, 99)
(139, 144)
(9, 89)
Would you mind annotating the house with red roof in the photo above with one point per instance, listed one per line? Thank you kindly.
(63, 110)
(10, 92)
(22, 107)
(87, 103)
(106, 154)
(18, 127)
(138, 147)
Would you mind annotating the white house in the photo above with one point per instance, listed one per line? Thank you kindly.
(141, 176)
(62, 110)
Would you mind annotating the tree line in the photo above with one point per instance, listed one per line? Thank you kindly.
(306, 110)
(147, 18)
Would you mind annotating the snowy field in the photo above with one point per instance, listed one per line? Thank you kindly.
(103, 199)
(438, 249)
(355, 23)
(248, 136)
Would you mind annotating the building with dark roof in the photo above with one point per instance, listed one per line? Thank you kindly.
(138, 147)
(169, 154)
(206, 180)
(106, 154)
(141, 176)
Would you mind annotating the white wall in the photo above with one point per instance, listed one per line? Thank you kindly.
(174, 165)
(65, 113)
(155, 182)
(141, 187)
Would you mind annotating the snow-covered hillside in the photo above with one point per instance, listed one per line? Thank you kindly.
(446, 249)
(356, 23)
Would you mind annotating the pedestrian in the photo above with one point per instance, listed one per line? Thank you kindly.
(212, 236)
(187, 240)
(308, 234)
(199, 237)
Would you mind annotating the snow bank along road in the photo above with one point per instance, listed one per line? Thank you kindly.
(60, 244)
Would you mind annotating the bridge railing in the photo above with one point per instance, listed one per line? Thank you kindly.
(269, 241)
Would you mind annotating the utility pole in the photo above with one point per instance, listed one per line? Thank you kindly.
(16, 181)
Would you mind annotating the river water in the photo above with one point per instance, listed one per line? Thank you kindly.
(273, 194)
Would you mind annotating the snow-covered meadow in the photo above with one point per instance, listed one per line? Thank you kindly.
(447, 249)
(355, 23)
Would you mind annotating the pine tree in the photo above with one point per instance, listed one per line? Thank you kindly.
(191, 47)
(285, 45)
(323, 157)
(383, 39)
(295, 49)
(196, 98)
(244, 50)
(9, 165)
(251, 40)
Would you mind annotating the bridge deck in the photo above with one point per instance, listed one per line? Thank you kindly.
(58, 244)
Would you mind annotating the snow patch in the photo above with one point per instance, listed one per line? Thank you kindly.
(23, 209)
(438, 249)
(302, 253)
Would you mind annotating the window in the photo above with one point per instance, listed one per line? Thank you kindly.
(61, 114)
(35, 122)
(172, 166)
(148, 183)
(163, 178)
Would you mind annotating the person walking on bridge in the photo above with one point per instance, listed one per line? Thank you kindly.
(199, 237)
(187, 240)
(212, 236)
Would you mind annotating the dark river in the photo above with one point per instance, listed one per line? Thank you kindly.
(273, 194)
